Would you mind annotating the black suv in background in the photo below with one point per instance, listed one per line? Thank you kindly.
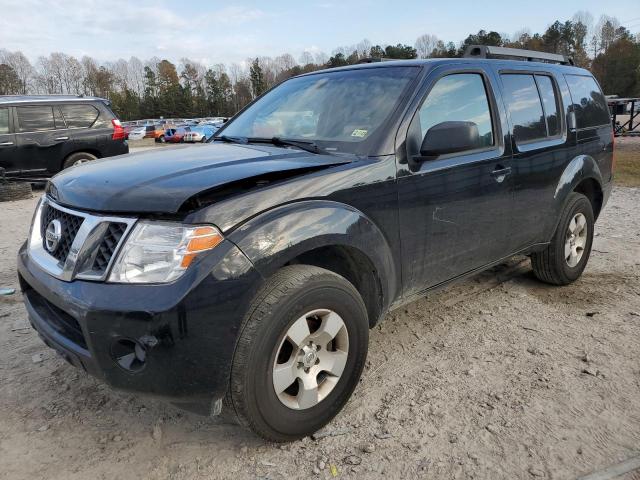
(41, 135)
(249, 271)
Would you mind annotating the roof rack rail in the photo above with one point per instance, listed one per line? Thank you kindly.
(488, 51)
(376, 59)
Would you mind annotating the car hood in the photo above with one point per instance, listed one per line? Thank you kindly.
(161, 180)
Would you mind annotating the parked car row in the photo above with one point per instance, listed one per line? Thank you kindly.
(181, 132)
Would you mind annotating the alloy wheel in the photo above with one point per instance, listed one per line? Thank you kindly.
(575, 240)
(310, 359)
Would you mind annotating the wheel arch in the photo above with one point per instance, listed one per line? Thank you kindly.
(92, 151)
(592, 189)
(326, 234)
(581, 175)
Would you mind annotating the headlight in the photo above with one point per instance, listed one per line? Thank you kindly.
(159, 252)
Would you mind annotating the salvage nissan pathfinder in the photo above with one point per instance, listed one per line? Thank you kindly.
(245, 274)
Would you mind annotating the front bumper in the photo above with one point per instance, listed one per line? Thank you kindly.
(185, 332)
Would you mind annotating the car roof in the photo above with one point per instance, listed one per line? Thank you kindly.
(434, 62)
(5, 99)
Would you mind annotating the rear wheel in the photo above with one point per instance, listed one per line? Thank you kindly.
(566, 256)
(78, 158)
(300, 353)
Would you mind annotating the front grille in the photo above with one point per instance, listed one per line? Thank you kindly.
(96, 238)
(70, 224)
(108, 246)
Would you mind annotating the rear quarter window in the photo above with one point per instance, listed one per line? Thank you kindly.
(79, 116)
(589, 103)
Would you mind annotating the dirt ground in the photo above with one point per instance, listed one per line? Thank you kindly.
(498, 377)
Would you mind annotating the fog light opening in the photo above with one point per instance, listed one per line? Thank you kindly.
(129, 354)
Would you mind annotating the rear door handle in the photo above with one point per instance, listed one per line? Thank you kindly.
(6, 144)
(500, 173)
(61, 139)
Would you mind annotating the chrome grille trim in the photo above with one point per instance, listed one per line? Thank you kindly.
(84, 249)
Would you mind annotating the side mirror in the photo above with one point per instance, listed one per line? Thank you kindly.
(450, 137)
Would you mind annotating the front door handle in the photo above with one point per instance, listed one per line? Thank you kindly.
(500, 173)
(6, 144)
(61, 139)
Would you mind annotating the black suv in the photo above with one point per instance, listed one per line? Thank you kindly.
(248, 272)
(41, 135)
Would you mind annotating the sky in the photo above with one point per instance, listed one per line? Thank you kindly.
(224, 32)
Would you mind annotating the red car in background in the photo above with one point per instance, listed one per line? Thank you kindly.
(175, 135)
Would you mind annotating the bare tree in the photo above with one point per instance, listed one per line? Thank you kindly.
(425, 45)
(363, 48)
(604, 33)
(135, 79)
(321, 58)
(305, 58)
(74, 76)
(22, 67)
(45, 81)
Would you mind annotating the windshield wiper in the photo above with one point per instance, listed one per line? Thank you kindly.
(229, 139)
(305, 145)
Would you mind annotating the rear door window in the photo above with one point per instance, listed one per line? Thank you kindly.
(79, 116)
(4, 121)
(549, 103)
(589, 103)
(524, 105)
(35, 119)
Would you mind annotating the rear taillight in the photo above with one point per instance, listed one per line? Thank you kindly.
(118, 131)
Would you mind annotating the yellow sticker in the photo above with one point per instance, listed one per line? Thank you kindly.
(333, 468)
(359, 132)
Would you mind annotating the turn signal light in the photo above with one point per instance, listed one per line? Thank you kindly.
(200, 240)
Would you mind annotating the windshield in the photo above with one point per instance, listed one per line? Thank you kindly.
(339, 111)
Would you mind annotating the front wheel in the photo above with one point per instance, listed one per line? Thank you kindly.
(300, 354)
(566, 256)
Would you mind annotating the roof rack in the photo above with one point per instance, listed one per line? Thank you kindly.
(376, 59)
(487, 51)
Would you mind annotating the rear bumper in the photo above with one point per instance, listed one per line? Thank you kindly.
(185, 332)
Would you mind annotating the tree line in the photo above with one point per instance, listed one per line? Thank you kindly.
(157, 87)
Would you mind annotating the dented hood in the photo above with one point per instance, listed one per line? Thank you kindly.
(161, 180)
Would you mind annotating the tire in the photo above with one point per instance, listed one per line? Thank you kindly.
(284, 300)
(78, 158)
(15, 191)
(203, 139)
(552, 265)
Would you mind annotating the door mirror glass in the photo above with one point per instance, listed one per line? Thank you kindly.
(450, 137)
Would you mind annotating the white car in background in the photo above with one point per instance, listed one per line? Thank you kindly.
(201, 133)
(138, 133)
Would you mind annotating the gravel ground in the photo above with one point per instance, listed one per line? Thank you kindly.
(496, 377)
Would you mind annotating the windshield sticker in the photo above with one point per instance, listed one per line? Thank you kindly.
(359, 132)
